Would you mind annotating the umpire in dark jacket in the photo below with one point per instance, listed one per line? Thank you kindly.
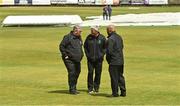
(109, 11)
(71, 50)
(115, 59)
(94, 47)
(105, 13)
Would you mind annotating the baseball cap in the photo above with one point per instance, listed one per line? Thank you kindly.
(95, 28)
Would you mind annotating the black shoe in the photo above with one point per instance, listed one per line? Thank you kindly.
(74, 92)
(123, 94)
(77, 92)
(113, 95)
(96, 91)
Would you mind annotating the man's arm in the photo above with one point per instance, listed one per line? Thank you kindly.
(62, 47)
(104, 45)
(110, 46)
(86, 47)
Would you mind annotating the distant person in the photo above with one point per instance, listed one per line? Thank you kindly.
(109, 11)
(105, 13)
(115, 59)
(72, 54)
(94, 46)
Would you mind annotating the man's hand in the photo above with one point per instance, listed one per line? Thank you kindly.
(66, 57)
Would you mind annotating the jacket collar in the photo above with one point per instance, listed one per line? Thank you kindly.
(74, 36)
(91, 36)
(112, 33)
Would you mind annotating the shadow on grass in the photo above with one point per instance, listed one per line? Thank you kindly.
(101, 94)
(59, 91)
(65, 91)
(80, 90)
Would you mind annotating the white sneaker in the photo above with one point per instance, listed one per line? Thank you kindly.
(91, 92)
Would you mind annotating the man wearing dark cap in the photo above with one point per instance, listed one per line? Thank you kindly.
(94, 47)
(72, 54)
(105, 13)
(115, 59)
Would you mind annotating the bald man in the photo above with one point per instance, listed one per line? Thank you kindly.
(115, 59)
(72, 54)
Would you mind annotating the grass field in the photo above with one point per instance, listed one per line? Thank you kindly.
(32, 72)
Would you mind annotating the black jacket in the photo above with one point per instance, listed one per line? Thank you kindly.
(114, 52)
(71, 46)
(95, 47)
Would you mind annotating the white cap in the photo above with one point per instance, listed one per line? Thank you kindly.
(95, 28)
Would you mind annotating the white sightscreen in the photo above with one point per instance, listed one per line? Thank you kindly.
(1, 2)
(8, 2)
(41, 2)
(104, 2)
(152, 2)
(89, 1)
(64, 1)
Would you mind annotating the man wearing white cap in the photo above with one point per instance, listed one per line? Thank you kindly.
(94, 47)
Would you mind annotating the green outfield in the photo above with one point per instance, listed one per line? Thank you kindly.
(32, 72)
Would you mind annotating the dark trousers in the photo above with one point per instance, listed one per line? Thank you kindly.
(105, 16)
(74, 69)
(109, 16)
(97, 65)
(117, 78)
